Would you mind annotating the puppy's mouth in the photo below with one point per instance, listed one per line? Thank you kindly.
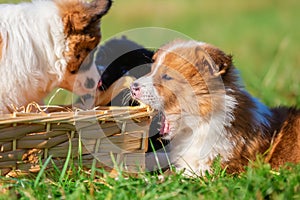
(136, 93)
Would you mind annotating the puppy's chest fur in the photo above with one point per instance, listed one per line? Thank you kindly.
(236, 135)
(197, 144)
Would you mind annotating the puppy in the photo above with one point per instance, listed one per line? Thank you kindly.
(45, 44)
(208, 113)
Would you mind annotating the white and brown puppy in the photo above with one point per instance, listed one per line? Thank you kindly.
(44, 44)
(208, 113)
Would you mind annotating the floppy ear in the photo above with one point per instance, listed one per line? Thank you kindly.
(204, 62)
(100, 7)
(78, 15)
(221, 61)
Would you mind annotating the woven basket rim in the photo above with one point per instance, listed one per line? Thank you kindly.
(65, 114)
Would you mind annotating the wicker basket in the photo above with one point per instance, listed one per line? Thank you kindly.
(107, 136)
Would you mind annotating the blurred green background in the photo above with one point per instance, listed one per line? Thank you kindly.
(262, 35)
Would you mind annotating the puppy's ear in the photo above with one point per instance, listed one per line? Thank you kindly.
(221, 60)
(99, 9)
(204, 63)
(79, 16)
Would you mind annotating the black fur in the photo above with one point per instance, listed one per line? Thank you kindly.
(122, 56)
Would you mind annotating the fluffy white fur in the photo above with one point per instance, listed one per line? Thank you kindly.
(32, 55)
(194, 150)
(32, 61)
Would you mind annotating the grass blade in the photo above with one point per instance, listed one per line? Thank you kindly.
(167, 155)
(156, 157)
(80, 152)
(63, 172)
(41, 172)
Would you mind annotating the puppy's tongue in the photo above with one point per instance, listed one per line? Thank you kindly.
(165, 126)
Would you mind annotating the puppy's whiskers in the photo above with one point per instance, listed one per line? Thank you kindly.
(126, 98)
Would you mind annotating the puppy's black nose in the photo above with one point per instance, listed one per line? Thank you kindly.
(89, 83)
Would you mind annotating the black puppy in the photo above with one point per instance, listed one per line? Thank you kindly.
(122, 57)
(115, 59)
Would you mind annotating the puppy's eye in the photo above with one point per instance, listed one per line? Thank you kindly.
(124, 71)
(73, 71)
(166, 77)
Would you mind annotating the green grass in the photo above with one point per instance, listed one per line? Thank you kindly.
(259, 182)
(263, 36)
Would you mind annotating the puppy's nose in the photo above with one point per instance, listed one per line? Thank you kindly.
(89, 83)
(135, 90)
(99, 86)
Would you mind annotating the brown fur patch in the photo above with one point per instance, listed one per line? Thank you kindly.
(284, 125)
(184, 87)
(222, 60)
(70, 76)
(193, 76)
(82, 29)
(286, 146)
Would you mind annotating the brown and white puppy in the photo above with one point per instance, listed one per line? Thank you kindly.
(208, 113)
(45, 44)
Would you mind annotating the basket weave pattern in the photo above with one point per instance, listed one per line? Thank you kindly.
(107, 135)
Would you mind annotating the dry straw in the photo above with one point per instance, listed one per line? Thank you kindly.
(105, 135)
